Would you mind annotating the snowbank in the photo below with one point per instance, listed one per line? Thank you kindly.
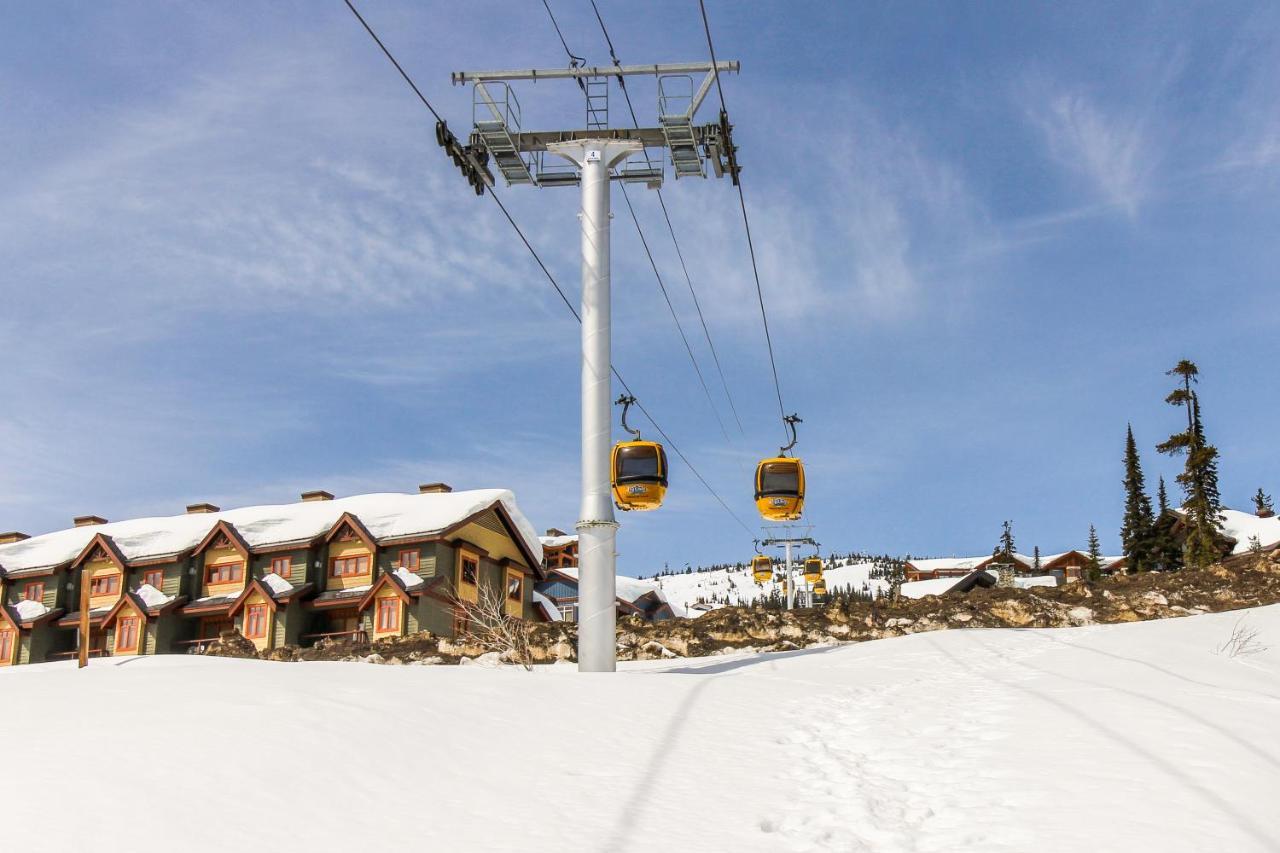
(1135, 737)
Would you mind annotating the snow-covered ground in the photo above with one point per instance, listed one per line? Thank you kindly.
(737, 586)
(1128, 737)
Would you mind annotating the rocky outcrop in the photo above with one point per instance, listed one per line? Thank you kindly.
(231, 644)
(1129, 598)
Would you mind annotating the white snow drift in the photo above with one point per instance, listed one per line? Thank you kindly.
(1133, 737)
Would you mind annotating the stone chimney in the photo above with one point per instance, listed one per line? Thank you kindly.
(197, 509)
(434, 488)
(11, 537)
(317, 495)
(555, 531)
(88, 520)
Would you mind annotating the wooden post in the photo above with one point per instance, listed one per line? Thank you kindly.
(84, 620)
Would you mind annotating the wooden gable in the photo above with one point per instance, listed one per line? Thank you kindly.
(221, 536)
(348, 529)
(100, 549)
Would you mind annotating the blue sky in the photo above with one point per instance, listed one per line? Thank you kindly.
(236, 266)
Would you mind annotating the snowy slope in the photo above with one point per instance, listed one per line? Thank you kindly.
(1128, 737)
(739, 588)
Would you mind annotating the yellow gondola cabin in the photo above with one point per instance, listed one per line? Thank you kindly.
(812, 570)
(762, 568)
(780, 488)
(639, 475)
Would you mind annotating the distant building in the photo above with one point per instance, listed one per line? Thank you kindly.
(367, 567)
(634, 597)
(559, 549)
(1238, 530)
(1067, 566)
(977, 578)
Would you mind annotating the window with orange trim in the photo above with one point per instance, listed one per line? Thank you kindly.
(224, 573)
(409, 560)
(281, 566)
(388, 614)
(104, 584)
(342, 567)
(153, 577)
(34, 591)
(255, 621)
(126, 633)
(469, 571)
(6, 645)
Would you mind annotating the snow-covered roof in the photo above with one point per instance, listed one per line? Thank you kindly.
(628, 589)
(277, 584)
(408, 578)
(1038, 580)
(933, 586)
(151, 596)
(28, 610)
(1240, 526)
(557, 541)
(960, 563)
(386, 516)
(548, 607)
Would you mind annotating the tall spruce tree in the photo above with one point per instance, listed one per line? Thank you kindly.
(1035, 561)
(1136, 532)
(1093, 569)
(1166, 556)
(1262, 504)
(1005, 548)
(1202, 503)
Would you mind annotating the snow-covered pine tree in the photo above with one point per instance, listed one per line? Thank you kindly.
(1093, 570)
(1202, 502)
(1136, 534)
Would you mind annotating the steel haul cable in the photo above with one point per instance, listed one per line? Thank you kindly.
(671, 229)
(635, 219)
(746, 222)
(550, 277)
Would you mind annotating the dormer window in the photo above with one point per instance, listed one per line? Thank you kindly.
(224, 573)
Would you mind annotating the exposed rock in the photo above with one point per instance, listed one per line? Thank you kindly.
(231, 644)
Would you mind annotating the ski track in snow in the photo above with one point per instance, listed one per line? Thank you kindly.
(1127, 737)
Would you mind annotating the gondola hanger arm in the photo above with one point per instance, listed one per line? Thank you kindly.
(790, 420)
(626, 401)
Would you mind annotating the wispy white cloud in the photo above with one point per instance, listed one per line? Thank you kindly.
(1111, 151)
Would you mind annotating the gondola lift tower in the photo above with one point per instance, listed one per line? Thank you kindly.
(596, 155)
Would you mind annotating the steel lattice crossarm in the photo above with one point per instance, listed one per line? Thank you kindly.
(519, 154)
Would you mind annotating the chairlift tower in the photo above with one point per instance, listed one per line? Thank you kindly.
(596, 154)
(787, 543)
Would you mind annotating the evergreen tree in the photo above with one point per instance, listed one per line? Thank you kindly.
(1165, 555)
(1093, 571)
(1136, 532)
(1202, 503)
(1005, 548)
(1035, 561)
(1262, 504)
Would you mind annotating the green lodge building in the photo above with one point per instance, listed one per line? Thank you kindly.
(366, 567)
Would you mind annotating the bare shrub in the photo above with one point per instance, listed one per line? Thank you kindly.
(1242, 642)
(490, 627)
